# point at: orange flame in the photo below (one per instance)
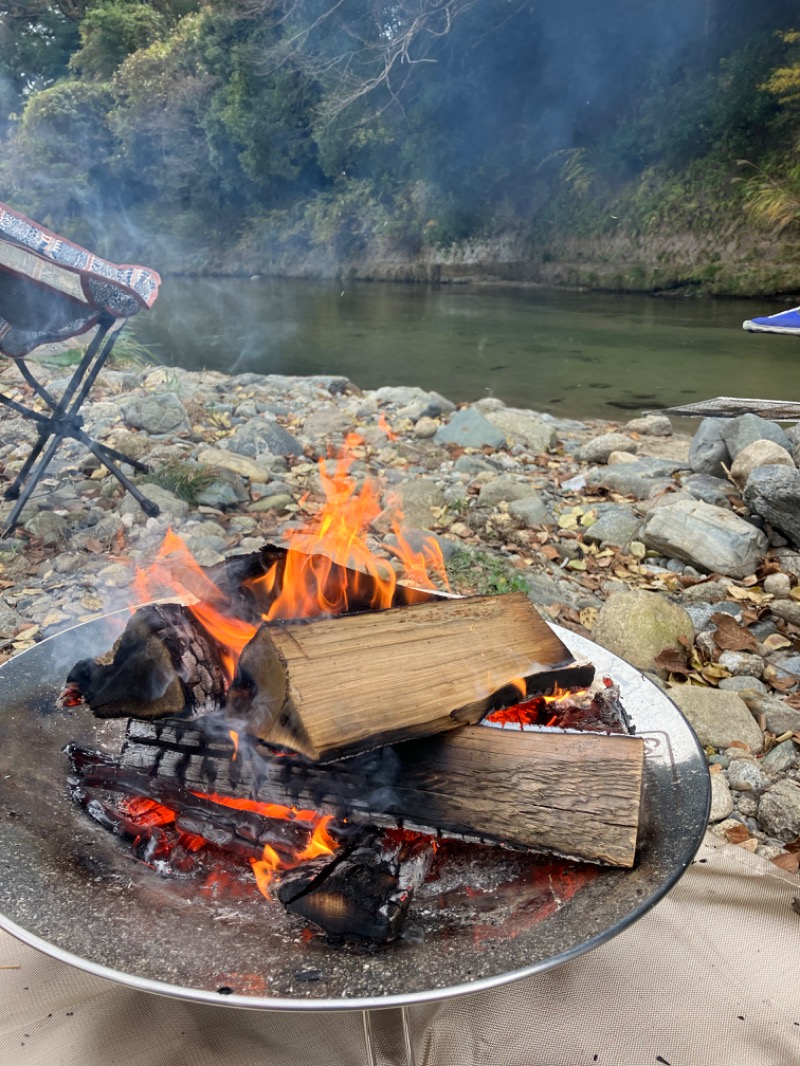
(265, 869)
(176, 571)
(329, 565)
(387, 429)
(235, 741)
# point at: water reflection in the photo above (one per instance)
(577, 355)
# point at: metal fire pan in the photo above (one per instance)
(73, 891)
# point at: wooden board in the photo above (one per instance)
(335, 686)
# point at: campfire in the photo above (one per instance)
(305, 716)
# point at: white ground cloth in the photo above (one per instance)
(710, 976)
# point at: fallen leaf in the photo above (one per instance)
(776, 641)
(730, 636)
(674, 660)
(737, 833)
(789, 862)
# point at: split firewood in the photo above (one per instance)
(364, 892)
(335, 686)
(575, 795)
(164, 664)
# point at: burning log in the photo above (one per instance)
(335, 686)
(162, 665)
(577, 795)
(364, 891)
(240, 832)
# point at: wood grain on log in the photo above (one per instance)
(335, 686)
(576, 795)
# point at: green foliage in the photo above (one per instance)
(483, 574)
(185, 480)
(110, 31)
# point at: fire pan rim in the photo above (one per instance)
(673, 750)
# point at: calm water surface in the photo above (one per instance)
(576, 355)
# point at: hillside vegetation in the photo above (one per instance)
(622, 144)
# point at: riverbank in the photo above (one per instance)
(627, 533)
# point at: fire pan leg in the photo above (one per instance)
(369, 1036)
(369, 1040)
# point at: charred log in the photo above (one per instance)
(576, 795)
(363, 893)
(163, 665)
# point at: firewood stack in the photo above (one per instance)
(370, 719)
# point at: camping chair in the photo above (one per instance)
(51, 290)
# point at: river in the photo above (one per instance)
(572, 354)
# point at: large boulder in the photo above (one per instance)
(638, 626)
(739, 432)
(709, 538)
(774, 493)
(650, 426)
(718, 717)
(759, 453)
(708, 452)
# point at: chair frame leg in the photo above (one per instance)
(65, 422)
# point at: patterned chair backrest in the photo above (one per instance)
(52, 289)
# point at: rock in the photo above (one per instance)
(743, 683)
(224, 491)
(717, 717)
(783, 667)
(10, 621)
(261, 436)
(530, 511)
(616, 458)
(759, 453)
(425, 428)
(788, 610)
(745, 776)
(432, 403)
(714, 490)
(739, 432)
(707, 537)
(417, 500)
(52, 529)
(160, 414)
(522, 427)
(222, 459)
(721, 798)
(779, 810)
(278, 503)
(782, 757)
(779, 718)
(504, 488)
(650, 426)
(778, 585)
(169, 504)
(469, 429)
(617, 525)
(742, 663)
(774, 493)
(637, 626)
(473, 464)
(708, 452)
(598, 449)
(628, 479)
(489, 403)
(323, 424)
(706, 592)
